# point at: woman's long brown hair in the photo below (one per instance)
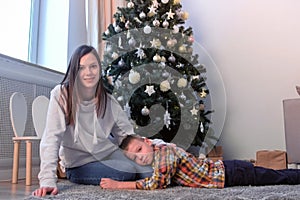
(68, 82)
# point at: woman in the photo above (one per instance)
(82, 116)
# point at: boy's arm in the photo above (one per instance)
(108, 183)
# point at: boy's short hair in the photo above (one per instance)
(126, 141)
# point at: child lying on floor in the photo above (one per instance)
(174, 166)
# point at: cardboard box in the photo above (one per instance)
(275, 159)
(216, 153)
(215, 158)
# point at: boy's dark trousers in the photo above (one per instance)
(243, 173)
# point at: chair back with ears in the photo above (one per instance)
(18, 113)
(39, 114)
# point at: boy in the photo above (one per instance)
(174, 166)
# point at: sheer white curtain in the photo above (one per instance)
(99, 14)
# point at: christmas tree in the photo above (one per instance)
(150, 67)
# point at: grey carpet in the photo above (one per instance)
(70, 191)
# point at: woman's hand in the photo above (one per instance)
(43, 191)
(108, 183)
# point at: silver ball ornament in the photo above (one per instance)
(172, 58)
(118, 29)
(108, 48)
(165, 24)
(165, 74)
(145, 111)
(121, 63)
(132, 42)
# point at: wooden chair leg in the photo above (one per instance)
(15, 171)
(28, 162)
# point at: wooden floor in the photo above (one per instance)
(10, 191)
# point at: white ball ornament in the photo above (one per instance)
(175, 29)
(142, 15)
(118, 29)
(156, 58)
(127, 24)
(164, 1)
(156, 23)
(134, 77)
(130, 4)
(114, 55)
(165, 86)
(120, 98)
(181, 83)
(147, 29)
(171, 42)
(182, 49)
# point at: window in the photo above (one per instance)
(15, 26)
(37, 31)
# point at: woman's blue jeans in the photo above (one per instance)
(116, 167)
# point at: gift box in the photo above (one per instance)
(291, 112)
(275, 159)
(216, 153)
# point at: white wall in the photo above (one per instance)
(256, 46)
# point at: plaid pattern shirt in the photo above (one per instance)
(173, 165)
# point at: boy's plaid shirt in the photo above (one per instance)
(174, 166)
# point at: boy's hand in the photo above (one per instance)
(107, 183)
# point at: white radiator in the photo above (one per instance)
(32, 81)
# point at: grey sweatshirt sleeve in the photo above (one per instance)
(51, 139)
(122, 125)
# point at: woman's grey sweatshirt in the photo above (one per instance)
(86, 141)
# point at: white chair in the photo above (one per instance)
(18, 117)
(39, 114)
